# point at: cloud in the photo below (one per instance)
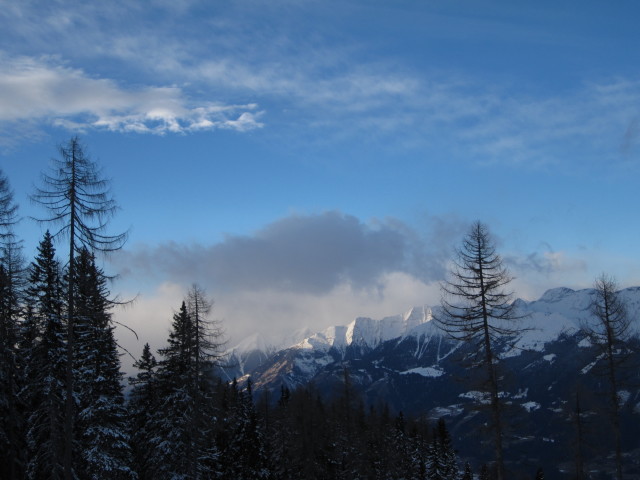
(300, 271)
(323, 87)
(325, 269)
(149, 316)
(545, 261)
(45, 89)
(272, 312)
(306, 254)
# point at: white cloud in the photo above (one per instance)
(272, 312)
(150, 317)
(325, 90)
(44, 89)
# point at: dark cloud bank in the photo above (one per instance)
(313, 254)
(305, 254)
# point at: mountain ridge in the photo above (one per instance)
(408, 364)
(554, 304)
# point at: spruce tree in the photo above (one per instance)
(468, 474)
(183, 443)
(245, 454)
(11, 285)
(44, 344)
(143, 400)
(442, 457)
(102, 419)
(485, 474)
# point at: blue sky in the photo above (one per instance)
(309, 161)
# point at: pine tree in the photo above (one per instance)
(280, 436)
(44, 344)
(102, 418)
(244, 454)
(11, 422)
(8, 212)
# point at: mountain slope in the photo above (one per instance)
(409, 364)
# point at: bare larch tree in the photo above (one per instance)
(79, 201)
(609, 330)
(478, 310)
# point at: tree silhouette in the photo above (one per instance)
(79, 201)
(479, 311)
(609, 331)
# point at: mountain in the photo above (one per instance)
(255, 350)
(407, 363)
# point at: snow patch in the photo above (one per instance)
(425, 372)
(531, 406)
(623, 396)
(588, 368)
(451, 411)
(585, 343)
(480, 397)
(521, 394)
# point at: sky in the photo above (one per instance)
(306, 162)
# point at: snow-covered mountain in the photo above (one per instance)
(366, 333)
(255, 350)
(408, 363)
(296, 359)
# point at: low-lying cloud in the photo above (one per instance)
(319, 270)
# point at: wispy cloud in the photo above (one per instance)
(44, 89)
(323, 85)
(547, 262)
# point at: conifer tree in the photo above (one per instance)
(102, 418)
(610, 332)
(143, 400)
(44, 344)
(442, 457)
(479, 311)
(78, 200)
(245, 456)
(468, 474)
(183, 442)
(11, 284)
(8, 213)
(484, 473)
